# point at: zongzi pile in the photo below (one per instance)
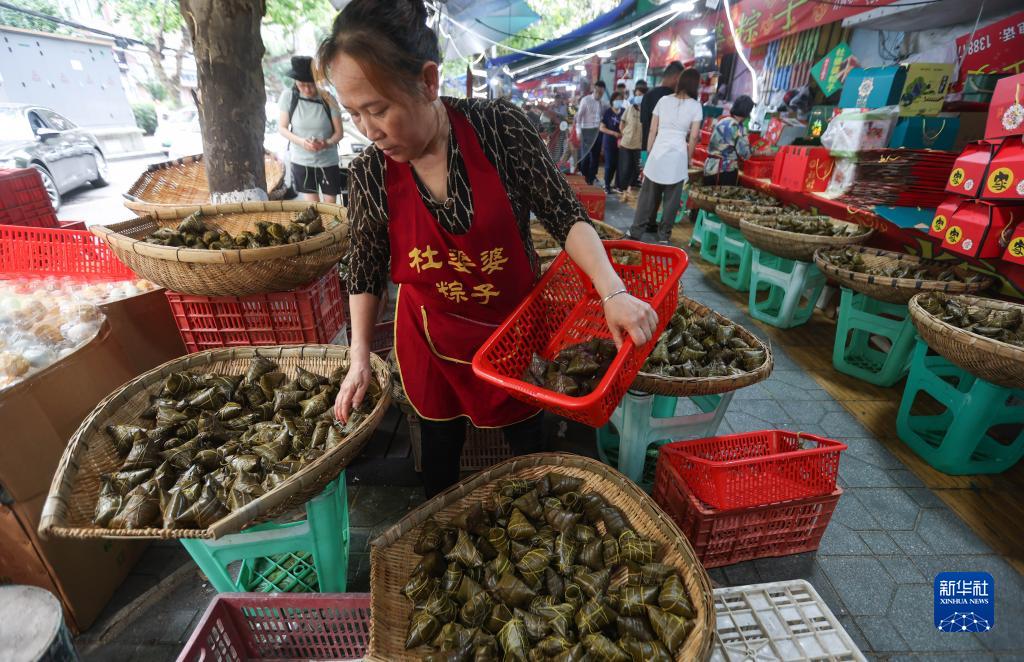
(192, 232)
(852, 259)
(702, 346)
(575, 371)
(209, 444)
(531, 578)
(1005, 325)
(821, 226)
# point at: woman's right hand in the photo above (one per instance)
(309, 145)
(353, 389)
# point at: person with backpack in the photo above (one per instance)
(311, 121)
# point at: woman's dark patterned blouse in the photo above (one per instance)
(510, 143)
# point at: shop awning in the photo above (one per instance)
(602, 22)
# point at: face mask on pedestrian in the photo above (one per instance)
(617, 104)
(638, 99)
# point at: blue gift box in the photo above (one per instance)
(873, 88)
(925, 133)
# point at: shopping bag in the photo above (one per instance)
(925, 133)
(973, 227)
(925, 89)
(1005, 178)
(1006, 112)
(855, 131)
(873, 88)
(819, 118)
(971, 167)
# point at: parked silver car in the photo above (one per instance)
(65, 156)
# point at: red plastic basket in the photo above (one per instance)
(37, 252)
(383, 337)
(281, 626)
(23, 200)
(759, 167)
(756, 468)
(564, 309)
(311, 314)
(724, 537)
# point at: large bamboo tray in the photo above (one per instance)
(985, 358)
(235, 272)
(392, 558)
(71, 504)
(896, 290)
(183, 182)
(796, 245)
(689, 386)
(732, 213)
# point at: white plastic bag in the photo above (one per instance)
(856, 130)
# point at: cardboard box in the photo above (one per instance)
(1005, 178)
(83, 574)
(925, 133)
(973, 227)
(1015, 246)
(1006, 112)
(925, 89)
(873, 88)
(968, 175)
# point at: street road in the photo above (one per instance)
(105, 205)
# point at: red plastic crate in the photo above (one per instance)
(23, 200)
(759, 167)
(724, 537)
(306, 315)
(756, 468)
(564, 309)
(593, 199)
(281, 626)
(72, 225)
(383, 338)
(37, 252)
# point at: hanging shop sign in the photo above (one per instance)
(624, 66)
(994, 49)
(831, 71)
(676, 48)
(760, 21)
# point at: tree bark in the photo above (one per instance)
(228, 49)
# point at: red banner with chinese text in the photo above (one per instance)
(996, 48)
(761, 21)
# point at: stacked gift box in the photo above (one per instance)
(981, 216)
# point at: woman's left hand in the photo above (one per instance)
(626, 314)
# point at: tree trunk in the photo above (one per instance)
(228, 50)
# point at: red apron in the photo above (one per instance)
(454, 290)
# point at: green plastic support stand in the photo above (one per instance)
(860, 318)
(793, 289)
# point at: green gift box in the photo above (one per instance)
(819, 119)
(925, 133)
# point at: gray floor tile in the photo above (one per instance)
(879, 542)
(912, 616)
(925, 497)
(911, 543)
(903, 569)
(892, 508)
(840, 540)
(859, 640)
(851, 512)
(947, 534)
(857, 473)
(881, 635)
(740, 574)
(867, 449)
(377, 504)
(862, 583)
(906, 478)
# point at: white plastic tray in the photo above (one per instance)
(778, 621)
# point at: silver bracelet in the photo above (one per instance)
(613, 294)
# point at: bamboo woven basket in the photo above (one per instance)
(235, 272)
(70, 506)
(183, 182)
(392, 558)
(548, 248)
(896, 290)
(796, 245)
(985, 358)
(688, 386)
(732, 213)
(704, 197)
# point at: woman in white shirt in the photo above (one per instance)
(675, 128)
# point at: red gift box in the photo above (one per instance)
(780, 163)
(968, 175)
(973, 227)
(1015, 246)
(806, 169)
(592, 198)
(1006, 112)
(1005, 177)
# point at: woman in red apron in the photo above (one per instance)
(441, 205)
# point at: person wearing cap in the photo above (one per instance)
(311, 121)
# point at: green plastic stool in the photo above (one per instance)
(736, 253)
(860, 318)
(957, 441)
(793, 289)
(643, 420)
(298, 557)
(697, 238)
(710, 247)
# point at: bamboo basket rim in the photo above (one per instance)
(53, 521)
(703, 197)
(332, 234)
(771, 239)
(685, 386)
(942, 336)
(732, 216)
(695, 578)
(141, 205)
(858, 281)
